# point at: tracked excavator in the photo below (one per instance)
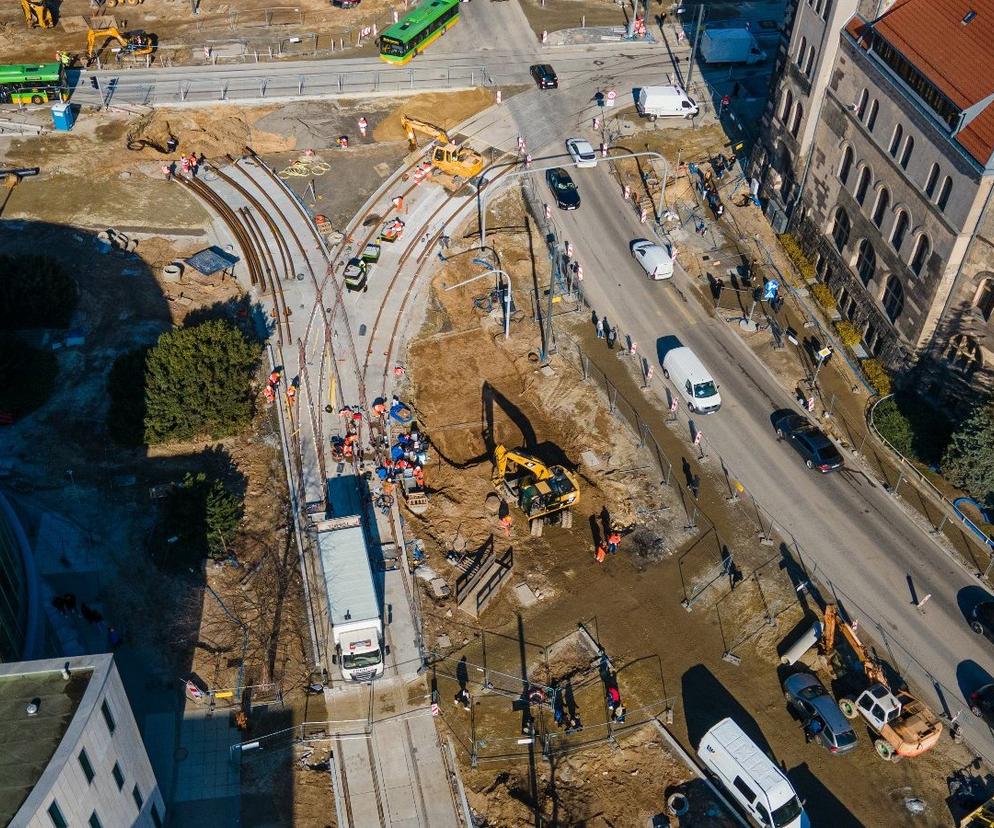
(546, 494)
(37, 13)
(136, 43)
(906, 725)
(446, 156)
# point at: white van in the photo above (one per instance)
(692, 380)
(751, 777)
(664, 101)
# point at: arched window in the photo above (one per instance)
(895, 140)
(983, 300)
(788, 104)
(846, 165)
(922, 248)
(864, 97)
(866, 261)
(871, 119)
(809, 65)
(880, 208)
(909, 147)
(893, 298)
(964, 355)
(826, 10)
(800, 52)
(840, 228)
(900, 229)
(795, 125)
(862, 184)
(933, 177)
(944, 191)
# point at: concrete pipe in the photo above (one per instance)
(802, 645)
(172, 273)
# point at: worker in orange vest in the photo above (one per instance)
(379, 408)
(274, 378)
(601, 552)
(419, 476)
(613, 541)
(505, 524)
(291, 393)
(268, 392)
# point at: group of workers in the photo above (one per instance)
(349, 447)
(608, 546)
(272, 388)
(406, 461)
(189, 164)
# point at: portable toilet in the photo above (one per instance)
(62, 116)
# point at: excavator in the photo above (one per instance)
(544, 493)
(453, 160)
(136, 43)
(37, 13)
(906, 725)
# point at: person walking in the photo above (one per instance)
(695, 486)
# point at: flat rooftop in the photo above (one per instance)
(30, 741)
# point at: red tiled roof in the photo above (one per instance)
(977, 137)
(957, 58)
(858, 29)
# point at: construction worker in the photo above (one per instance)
(419, 476)
(291, 394)
(380, 408)
(167, 171)
(601, 552)
(269, 393)
(505, 524)
(274, 378)
(613, 541)
(185, 163)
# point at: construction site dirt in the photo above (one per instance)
(667, 656)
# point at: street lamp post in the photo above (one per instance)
(507, 292)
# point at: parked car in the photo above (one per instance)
(563, 188)
(654, 259)
(808, 697)
(982, 703)
(545, 76)
(810, 442)
(982, 619)
(581, 152)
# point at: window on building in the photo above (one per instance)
(156, 819)
(108, 716)
(118, 776)
(871, 119)
(909, 147)
(866, 261)
(933, 177)
(893, 298)
(900, 229)
(136, 795)
(810, 62)
(796, 123)
(984, 298)
(846, 165)
(944, 192)
(788, 105)
(827, 10)
(880, 208)
(55, 814)
(895, 140)
(801, 51)
(94, 821)
(840, 228)
(918, 258)
(84, 763)
(862, 185)
(964, 354)
(864, 97)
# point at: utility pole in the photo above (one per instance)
(697, 37)
(547, 347)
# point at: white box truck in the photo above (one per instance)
(664, 101)
(354, 615)
(730, 46)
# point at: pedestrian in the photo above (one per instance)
(114, 638)
(194, 163)
(167, 172)
(363, 125)
(613, 699)
(601, 552)
(59, 602)
(613, 541)
(695, 486)
(70, 601)
(812, 728)
(612, 337)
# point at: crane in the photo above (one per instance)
(446, 156)
(136, 43)
(37, 13)
(540, 491)
(906, 725)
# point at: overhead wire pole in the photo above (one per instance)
(697, 37)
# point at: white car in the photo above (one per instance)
(654, 259)
(581, 152)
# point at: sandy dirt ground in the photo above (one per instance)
(664, 655)
(552, 15)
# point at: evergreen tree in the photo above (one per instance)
(969, 459)
(223, 513)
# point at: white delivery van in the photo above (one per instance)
(730, 46)
(691, 380)
(664, 101)
(751, 777)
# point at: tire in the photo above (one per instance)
(976, 711)
(780, 434)
(885, 750)
(691, 407)
(848, 708)
(809, 463)
(787, 698)
(977, 627)
(37, 99)
(666, 373)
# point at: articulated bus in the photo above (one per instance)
(33, 83)
(412, 34)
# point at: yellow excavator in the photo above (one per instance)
(136, 43)
(545, 494)
(447, 157)
(37, 13)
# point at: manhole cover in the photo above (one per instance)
(181, 754)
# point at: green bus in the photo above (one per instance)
(412, 34)
(33, 83)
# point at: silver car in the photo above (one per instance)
(810, 700)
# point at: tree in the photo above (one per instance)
(198, 383)
(222, 514)
(969, 461)
(35, 292)
(203, 516)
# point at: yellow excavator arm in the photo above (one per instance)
(135, 43)
(833, 623)
(37, 13)
(538, 490)
(447, 157)
(412, 125)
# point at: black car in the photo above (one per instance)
(563, 188)
(982, 703)
(982, 619)
(545, 76)
(810, 442)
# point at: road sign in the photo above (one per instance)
(770, 290)
(609, 98)
(824, 353)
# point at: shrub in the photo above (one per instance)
(797, 256)
(823, 296)
(35, 292)
(27, 376)
(968, 461)
(203, 516)
(877, 376)
(849, 334)
(895, 426)
(913, 426)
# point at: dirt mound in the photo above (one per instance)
(444, 109)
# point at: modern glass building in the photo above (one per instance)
(21, 616)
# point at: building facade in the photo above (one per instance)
(878, 144)
(73, 755)
(21, 615)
